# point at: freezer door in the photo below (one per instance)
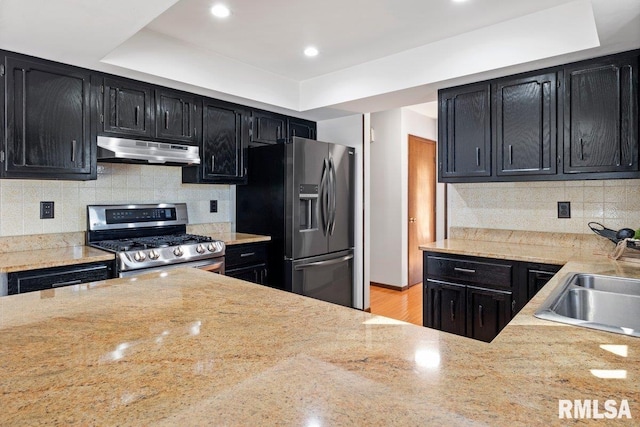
(341, 197)
(327, 278)
(308, 198)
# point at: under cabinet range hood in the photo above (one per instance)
(135, 151)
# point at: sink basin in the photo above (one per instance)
(606, 303)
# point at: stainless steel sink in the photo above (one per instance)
(606, 303)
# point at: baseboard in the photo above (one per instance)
(368, 310)
(393, 287)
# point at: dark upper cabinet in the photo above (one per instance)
(125, 107)
(47, 121)
(223, 150)
(601, 116)
(178, 116)
(267, 128)
(302, 128)
(488, 312)
(464, 126)
(525, 117)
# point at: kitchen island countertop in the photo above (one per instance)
(188, 347)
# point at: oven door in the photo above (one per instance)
(215, 265)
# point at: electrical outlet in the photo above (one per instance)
(564, 209)
(46, 210)
(213, 206)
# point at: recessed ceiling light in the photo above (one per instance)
(220, 11)
(311, 51)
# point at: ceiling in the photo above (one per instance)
(374, 54)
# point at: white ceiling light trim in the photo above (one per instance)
(311, 51)
(556, 31)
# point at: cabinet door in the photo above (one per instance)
(601, 116)
(268, 128)
(47, 134)
(125, 108)
(524, 112)
(487, 313)
(536, 276)
(465, 132)
(224, 130)
(254, 273)
(302, 128)
(447, 307)
(178, 116)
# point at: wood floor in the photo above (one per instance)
(400, 305)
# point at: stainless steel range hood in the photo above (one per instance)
(136, 151)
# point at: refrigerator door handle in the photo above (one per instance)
(332, 196)
(322, 205)
(324, 263)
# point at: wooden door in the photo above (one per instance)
(445, 307)
(268, 128)
(126, 108)
(421, 202)
(178, 117)
(488, 312)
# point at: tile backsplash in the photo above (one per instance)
(116, 183)
(533, 205)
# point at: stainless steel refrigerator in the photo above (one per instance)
(301, 194)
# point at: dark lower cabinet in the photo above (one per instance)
(248, 262)
(447, 307)
(488, 311)
(477, 297)
(536, 276)
(55, 277)
(48, 132)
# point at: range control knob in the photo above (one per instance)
(154, 254)
(200, 249)
(178, 251)
(139, 256)
(211, 247)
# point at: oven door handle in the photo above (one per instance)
(215, 267)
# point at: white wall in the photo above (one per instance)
(116, 183)
(348, 131)
(389, 192)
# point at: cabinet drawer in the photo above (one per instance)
(488, 274)
(248, 254)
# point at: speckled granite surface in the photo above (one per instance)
(55, 250)
(189, 347)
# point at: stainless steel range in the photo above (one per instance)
(151, 237)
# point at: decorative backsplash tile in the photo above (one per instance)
(533, 205)
(116, 183)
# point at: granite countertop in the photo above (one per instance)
(56, 257)
(187, 347)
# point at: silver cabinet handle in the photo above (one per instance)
(464, 270)
(247, 254)
(510, 154)
(324, 263)
(137, 114)
(73, 151)
(581, 149)
(480, 316)
(71, 282)
(452, 308)
(477, 156)
(213, 162)
(166, 119)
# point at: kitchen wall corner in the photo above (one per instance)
(116, 183)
